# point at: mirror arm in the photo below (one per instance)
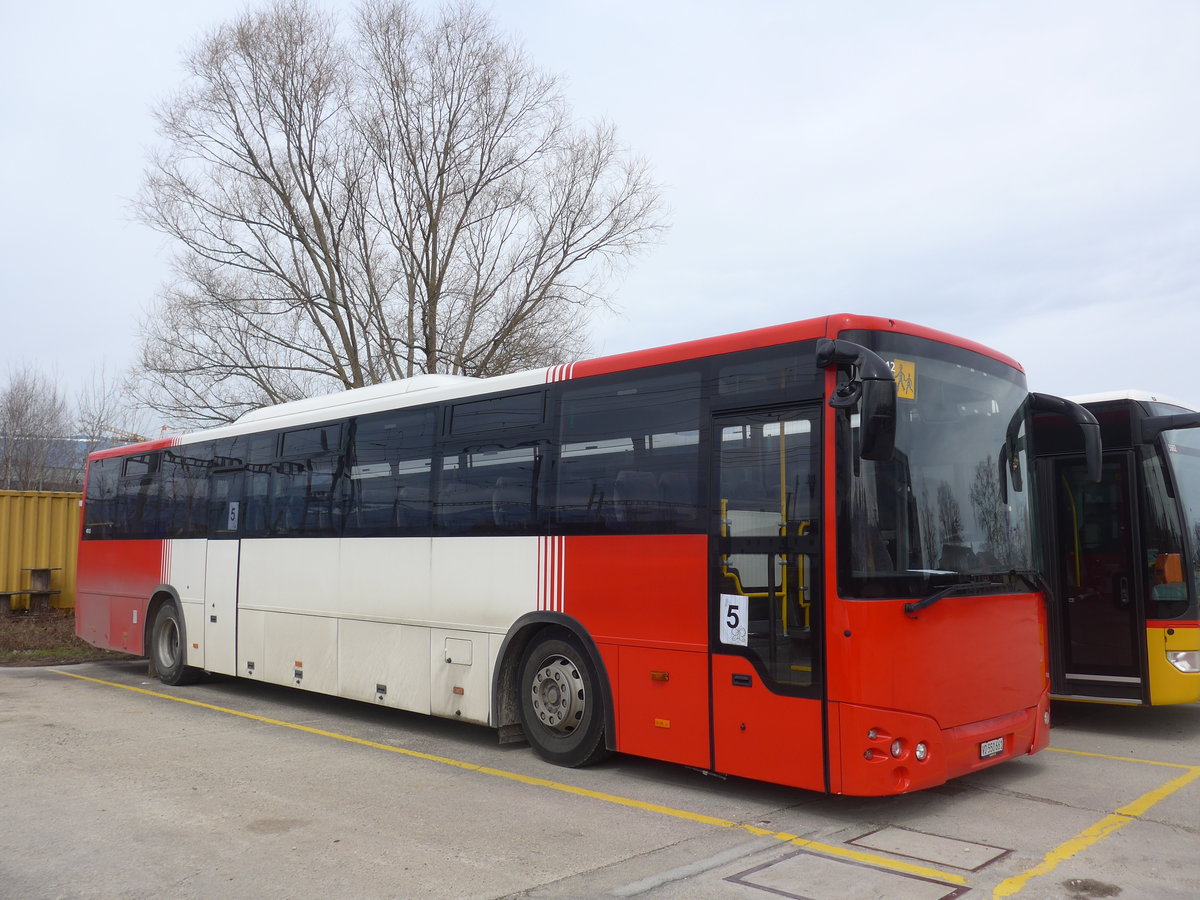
(1085, 420)
(870, 365)
(1150, 428)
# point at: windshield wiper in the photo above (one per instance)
(961, 587)
(1035, 581)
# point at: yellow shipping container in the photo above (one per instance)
(38, 530)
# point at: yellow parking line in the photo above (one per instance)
(1129, 759)
(871, 859)
(1100, 830)
(1150, 798)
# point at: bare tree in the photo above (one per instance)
(105, 415)
(36, 452)
(411, 199)
(44, 442)
(258, 182)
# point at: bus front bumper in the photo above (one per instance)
(888, 752)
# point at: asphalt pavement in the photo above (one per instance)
(116, 786)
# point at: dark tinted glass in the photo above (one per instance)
(772, 374)
(185, 491)
(305, 499)
(145, 464)
(100, 509)
(310, 442)
(140, 510)
(629, 455)
(389, 472)
(513, 411)
(489, 489)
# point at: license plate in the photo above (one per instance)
(994, 747)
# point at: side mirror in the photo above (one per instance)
(874, 392)
(1048, 403)
(877, 413)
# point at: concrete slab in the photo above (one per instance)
(930, 848)
(806, 876)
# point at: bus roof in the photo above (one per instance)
(1129, 394)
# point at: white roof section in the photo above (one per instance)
(1131, 394)
(419, 389)
(389, 390)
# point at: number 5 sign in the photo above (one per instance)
(735, 612)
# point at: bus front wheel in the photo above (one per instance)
(562, 701)
(167, 647)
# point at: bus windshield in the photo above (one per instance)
(1183, 449)
(936, 516)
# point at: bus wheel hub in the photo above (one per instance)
(558, 695)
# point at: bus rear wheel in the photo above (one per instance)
(168, 647)
(562, 701)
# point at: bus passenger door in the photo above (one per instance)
(765, 620)
(221, 573)
(1097, 651)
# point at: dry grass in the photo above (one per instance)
(27, 640)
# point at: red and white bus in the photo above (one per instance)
(759, 554)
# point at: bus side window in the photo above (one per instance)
(139, 498)
(629, 455)
(185, 491)
(489, 489)
(101, 507)
(304, 483)
(389, 469)
(586, 483)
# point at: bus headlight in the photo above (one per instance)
(1184, 660)
(897, 748)
(921, 752)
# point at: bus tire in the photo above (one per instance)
(562, 701)
(168, 646)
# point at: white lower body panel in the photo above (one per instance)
(411, 623)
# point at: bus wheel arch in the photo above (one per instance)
(165, 640)
(564, 638)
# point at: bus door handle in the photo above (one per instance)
(740, 680)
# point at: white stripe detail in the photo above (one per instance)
(561, 372)
(551, 573)
(560, 581)
(541, 573)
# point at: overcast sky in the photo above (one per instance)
(1021, 173)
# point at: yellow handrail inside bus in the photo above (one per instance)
(803, 605)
